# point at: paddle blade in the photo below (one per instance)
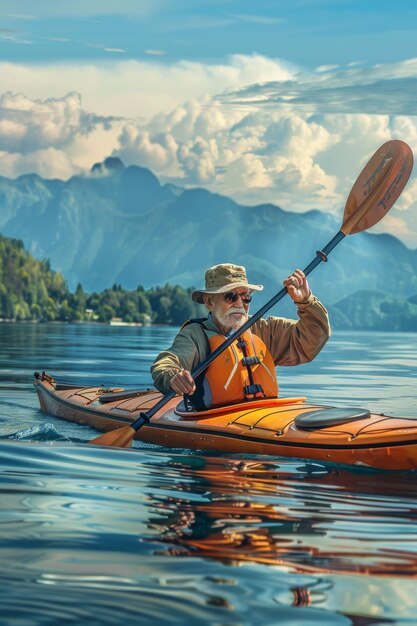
(378, 186)
(119, 438)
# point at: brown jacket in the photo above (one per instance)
(290, 342)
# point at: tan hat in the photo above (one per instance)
(223, 278)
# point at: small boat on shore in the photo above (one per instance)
(287, 427)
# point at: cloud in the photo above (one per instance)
(10, 36)
(140, 147)
(21, 16)
(48, 163)
(140, 88)
(27, 125)
(326, 68)
(249, 156)
(117, 50)
(102, 46)
(155, 52)
(58, 39)
(378, 90)
(53, 137)
(30, 124)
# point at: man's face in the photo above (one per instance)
(229, 310)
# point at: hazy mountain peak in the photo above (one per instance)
(110, 164)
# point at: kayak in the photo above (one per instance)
(286, 427)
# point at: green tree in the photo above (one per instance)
(78, 303)
(105, 313)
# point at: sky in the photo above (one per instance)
(266, 102)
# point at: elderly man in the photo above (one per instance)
(246, 370)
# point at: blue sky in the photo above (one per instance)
(307, 32)
(270, 101)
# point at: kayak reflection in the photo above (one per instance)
(316, 520)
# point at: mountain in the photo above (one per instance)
(121, 225)
(373, 310)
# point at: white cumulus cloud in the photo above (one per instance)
(140, 89)
(48, 163)
(249, 156)
(55, 137)
(27, 124)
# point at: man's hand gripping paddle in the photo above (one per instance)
(376, 189)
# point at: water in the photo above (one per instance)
(155, 536)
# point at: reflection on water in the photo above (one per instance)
(108, 535)
(268, 515)
(155, 536)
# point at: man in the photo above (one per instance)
(247, 369)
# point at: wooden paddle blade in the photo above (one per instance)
(119, 438)
(378, 186)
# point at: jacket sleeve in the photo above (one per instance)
(292, 342)
(188, 349)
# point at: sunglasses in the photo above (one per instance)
(232, 296)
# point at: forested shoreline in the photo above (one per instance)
(31, 291)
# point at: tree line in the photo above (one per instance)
(31, 290)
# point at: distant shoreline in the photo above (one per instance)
(147, 325)
(85, 323)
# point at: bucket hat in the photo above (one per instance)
(223, 278)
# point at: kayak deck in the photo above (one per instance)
(289, 427)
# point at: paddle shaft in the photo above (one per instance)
(321, 256)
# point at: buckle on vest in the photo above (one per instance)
(251, 360)
(252, 390)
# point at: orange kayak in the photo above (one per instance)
(286, 427)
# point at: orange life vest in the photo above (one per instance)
(244, 371)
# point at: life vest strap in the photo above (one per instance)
(250, 360)
(196, 320)
(252, 390)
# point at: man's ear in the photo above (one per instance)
(208, 301)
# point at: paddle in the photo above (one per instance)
(373, 194)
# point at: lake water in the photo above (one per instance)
(99, 536)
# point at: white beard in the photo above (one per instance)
(231, 320)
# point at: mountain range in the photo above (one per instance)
(120, 225)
